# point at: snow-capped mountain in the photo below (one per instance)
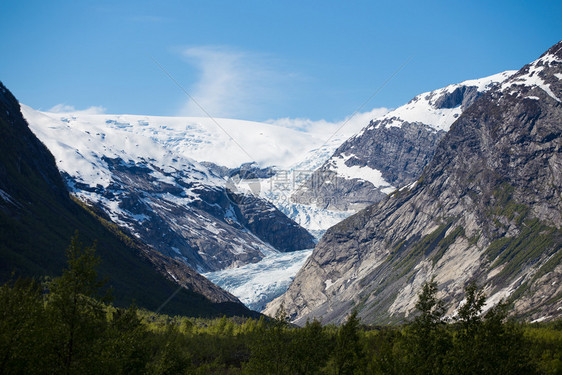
(138, 172)
(38, 219)
(486, 209)
(392, 150)
(409, 139)
(217, 213)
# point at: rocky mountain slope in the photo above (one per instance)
(391, 151)
(38, 218)
(133, 169)
(488, 208)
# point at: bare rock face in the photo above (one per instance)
(183, 275)
(398, 153)
(487, 208)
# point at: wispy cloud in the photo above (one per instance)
(232, 83)
(65, 108)
(346, 127)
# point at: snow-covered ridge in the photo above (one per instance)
(224, 142)
(82, 143)
(530, 76)
(437, 109)
(427, 109)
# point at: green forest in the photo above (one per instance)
(67, 325)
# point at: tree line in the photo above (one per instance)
(66, 325)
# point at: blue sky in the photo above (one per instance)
(260, 60)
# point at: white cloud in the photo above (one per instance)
(65, 108)
(232, 83)
(346, 127)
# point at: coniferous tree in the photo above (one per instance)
(270, 346)
(125, 348)
(348, 355)
(310, 348)
(75, 310)
(504, 349)
(428, 338)
(23, 343)
(466, 357)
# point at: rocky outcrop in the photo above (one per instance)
(488, 208)
(399, 154)
(269, 224)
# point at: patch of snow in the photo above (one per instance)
(173, 276)
(532, 77)
(230, 214)
(213, 229)
(139, 217)
(388, 190)
(237, 249)
(373, 176)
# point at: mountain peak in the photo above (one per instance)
(543, 73)
(555, 50)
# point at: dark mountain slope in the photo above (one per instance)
(38, 218)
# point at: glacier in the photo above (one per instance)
(256, 284)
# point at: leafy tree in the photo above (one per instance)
(386, 351)
(125, 348)
(168, 353)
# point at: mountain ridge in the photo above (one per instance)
(143, 182)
